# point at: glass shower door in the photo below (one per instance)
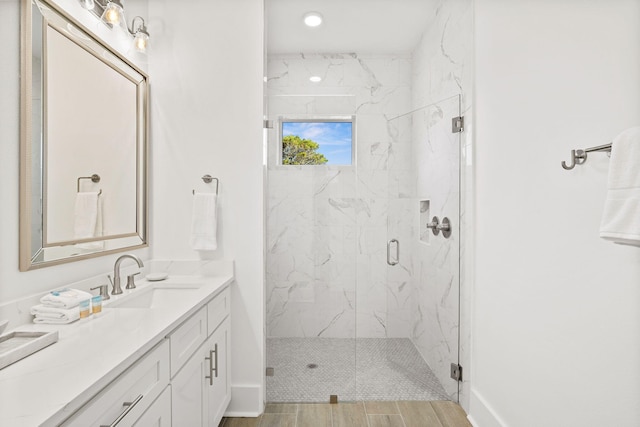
(409, 277)
(311, 253)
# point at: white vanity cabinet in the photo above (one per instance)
(124, 401)
(200, 389)
(183, 381)
(145, 355)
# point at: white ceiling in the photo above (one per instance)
(362, 26)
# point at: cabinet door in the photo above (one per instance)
(201, 390)
(218, 386)
(189, 391)
(159, 413)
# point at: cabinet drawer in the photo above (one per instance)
(218, 309)
(187, 338)
(159, 413)
(132, 392)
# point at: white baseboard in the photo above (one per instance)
(246, 401)
(481, 414)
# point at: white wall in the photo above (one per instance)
(206, 63)
(556, 339)
(14, 284)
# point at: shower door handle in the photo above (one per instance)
(397, 259)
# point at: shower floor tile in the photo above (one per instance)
(363, 369)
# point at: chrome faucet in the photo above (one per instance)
(117, 290)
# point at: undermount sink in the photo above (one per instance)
(152, 297)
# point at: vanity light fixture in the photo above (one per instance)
(111, 12)
(140, 35)
(312, 19)
(315, 79)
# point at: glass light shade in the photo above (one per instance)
(113, 13)
(140, 41)
(88, 4)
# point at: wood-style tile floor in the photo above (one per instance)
(361, 414)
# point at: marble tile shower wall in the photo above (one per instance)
(327, 226)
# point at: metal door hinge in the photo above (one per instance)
(270, 372)
(456, 372)
(457, 124)
(267, 124)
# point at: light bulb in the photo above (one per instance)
(315, 79)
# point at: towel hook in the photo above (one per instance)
(208, 179)
(578, 157)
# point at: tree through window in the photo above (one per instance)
(317, 142)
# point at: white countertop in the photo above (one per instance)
(48, 386)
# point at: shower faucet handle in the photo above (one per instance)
(445, 227)
(434, 225)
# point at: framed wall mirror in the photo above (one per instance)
(83, 171)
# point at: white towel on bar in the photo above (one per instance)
(54, 315)
(65, 298)
(204, 222)
(621, 216)
(85, 215)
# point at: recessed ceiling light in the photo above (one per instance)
(315, 79)
(312, 19)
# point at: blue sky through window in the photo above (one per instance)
(334, 138)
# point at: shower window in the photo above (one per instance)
(317, 141)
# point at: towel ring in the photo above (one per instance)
(94, 178)
(208, 179)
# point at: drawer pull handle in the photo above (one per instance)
(215, 350)
(128, 407)
(213, 360)
(210, 359)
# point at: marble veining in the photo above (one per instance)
(326, 225)
(441, 68)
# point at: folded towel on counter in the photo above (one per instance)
(204, 222)
(65, 298)
(621, 216)
(58, 315)
(46, 321)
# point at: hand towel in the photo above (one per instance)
(57, 315)
(204, 222)
(97, 230)
(65, 298)
(85, 215)
(621, 217)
